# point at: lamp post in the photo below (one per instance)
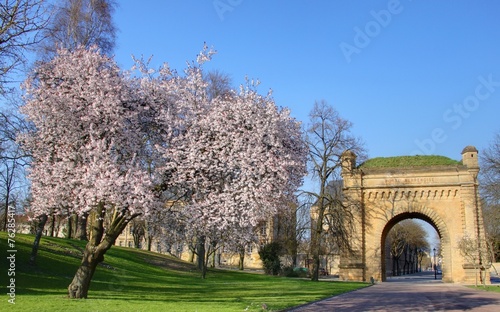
(435, 267)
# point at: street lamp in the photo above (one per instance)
(435, 267)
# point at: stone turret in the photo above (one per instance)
(469, 157)
(348, 161)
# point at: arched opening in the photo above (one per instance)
(417, 259)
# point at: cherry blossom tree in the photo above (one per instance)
(237, 158)
(85, 148)
(113, 148)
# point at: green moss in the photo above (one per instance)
(409, 161)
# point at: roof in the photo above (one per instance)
(469, 149)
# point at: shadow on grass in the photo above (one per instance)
(134, 275)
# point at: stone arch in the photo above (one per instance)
(428, 216)
(436, 189)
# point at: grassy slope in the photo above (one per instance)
(408, 161)
(134, 280)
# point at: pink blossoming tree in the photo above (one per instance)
(113, 148)
(237, 159)
(85, 148)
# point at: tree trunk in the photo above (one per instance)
(81, 231)
(79, 287)
(316, 240)
(6, 215)
(404, 265)
(398, 267)
(95, 250)
(69, 233)
(393, 266)
(150, 242)
(34, 251)
(200, 251)
(294, 259)
(315, 271)
(52, 225)
(242, 259)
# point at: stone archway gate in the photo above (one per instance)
(445, 195)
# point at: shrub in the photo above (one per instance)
(288, 271)
(270, 256)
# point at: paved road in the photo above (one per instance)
(415, 293)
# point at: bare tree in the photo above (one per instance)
(219, 84)
(80, 23)
(12, 162)
(490, 171)
(285, 231)
(417, 240)
(137, 230)
(470, 250)
(328, 136)
(397, 243)
(409, 239)
(490, 192)
(20, 28)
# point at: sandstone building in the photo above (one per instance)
(440, 191)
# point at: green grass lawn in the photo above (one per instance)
(135, 280)
(494, 288)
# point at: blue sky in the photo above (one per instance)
(414, 77)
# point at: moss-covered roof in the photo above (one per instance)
(408, 161)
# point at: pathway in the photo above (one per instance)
(419, 292)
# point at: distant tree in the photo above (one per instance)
(20, 29)
(328, 136)
(421, 255)
(84, 146)
(285, 227)
(12, 163)
(397, 243)
(406, 239)
(490, 171)
(491, 216)
(490, 192)
(79, 23)
(416, 238)
(137, 229)
(218, 84)
(302, 228)
(472, 252)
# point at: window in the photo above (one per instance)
(263, 229)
